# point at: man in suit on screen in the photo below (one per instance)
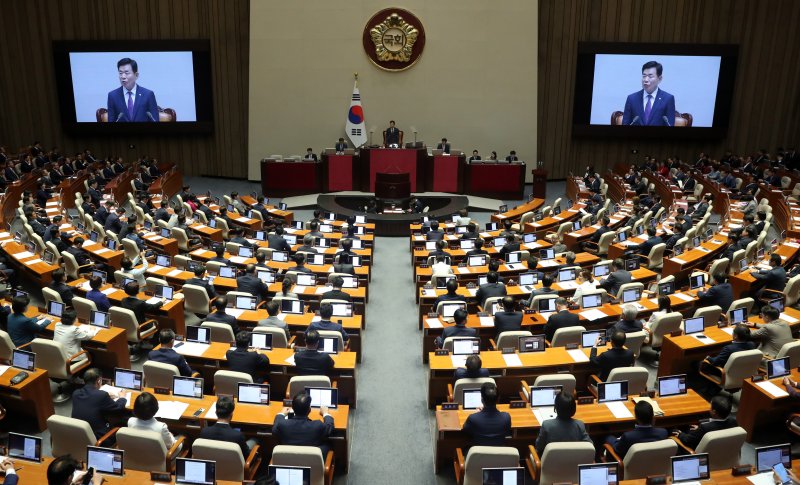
(650, 106)
(131, 102)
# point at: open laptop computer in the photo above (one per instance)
(290, 475)
(128, 379)
(187, 386)
(55, 308)
(778, 368)
(191, 471)
(466, 346)
(591, 301)
(23, 359)
(533, 343)
(504, 476)
(696, 282)
(248, 393)
(291, 306)
(694, 326)
(738, 315)
(632, 295)
(24, 447)
(768, 456)
(449, 308)
(612, 391)
(672, 385)
(598, 474)
(108, 461)
(690, 468)
(547, 305)
(198, 334)
(601, 269)
(528, 280)
(328, 345)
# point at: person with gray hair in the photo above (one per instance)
(629, 323)
(308, 244)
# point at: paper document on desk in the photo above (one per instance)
(532, 245)
(512, 360)
(89, 329)
(678, 260)
(772, 389)
(316, 318)
(237, 259)
(619, 410)
(174, 272)
(237, 312)
(24, 254)
(791, 244)
(428, 292)
(593, 314)
(171, 409)
(786, 318)
(212, 412)
(118, 391)
(704, 339)
(656, 408)
(486, 321)
(543, 414)
(109, 291)
(4, 368)
(433, 323)
(458, 360)
(290, 360)
(548, 263)
(33, 261)
(472, 291)
(578, 355)
(154, 267)
(102, 251)
(515, 266)
(728, 330)
(153, 300)
(301, 289)
(763, 478)
(568, 285)
(192, 348)
(683, 296)
(463, 269)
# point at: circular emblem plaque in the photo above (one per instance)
(394, 39)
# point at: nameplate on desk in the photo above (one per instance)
(287, 403)
(450, 406)
(656, 480)
(423, 266)
(161, 390)
(517, 404)
(722, 325)
(740, 470)
(471, 286)
(160, 477)
(433, 315)
(757, 378)
(441, 352)
(529, 311)
(508, 350)
(676, 333)
(572, 346)
(585, 400)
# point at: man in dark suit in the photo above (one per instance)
(741, 341)
(392, 135)
(219, 315)
(249, 283)
(451, 295)
(643, 432)
(102, 213)
(512, 156)
(325, 323)
(562, 318)
(490, 289)
(434, 234)
(336, 293)
(277, 242)
(650, 106)
(139, 307)
(488, 427)
(443, 146)
(616, 356)
(604, 228)
(311, 362)
(221, 430)
(478, 249)
(475, 156)
(92, 405)
(113, 221)
(507, 320)
(546, 289)
(295, 428)
(161, 213)
(652, 240)
(472, 369)
(310, 155)
(340, 146)
(198, 280)
(720, 293)
(772, 279)
(219, 251)
(131, 102)
(512, 244)
(240, 359)
(60, 287)
(702, 207)
(76, 250)
(720, 419)
(594, 184)
(459, 330)
(441, 245)
(618, 277)
(167, 355)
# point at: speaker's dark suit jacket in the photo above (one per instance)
(663, 105)
(145, 103)
(301, 431)
(252, 363)
(312, 363)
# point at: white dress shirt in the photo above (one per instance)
(153, 425)
(70, 336)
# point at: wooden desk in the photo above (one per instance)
(30, 397)
(108, 348)
(29, 264)
(516, 212)
(283, 179)
(501, 180)
(552, 223)
(758, 407)
(742, 282)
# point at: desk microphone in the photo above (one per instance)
(118, 117)
(153, 119)
(635, 119)
(666, 120)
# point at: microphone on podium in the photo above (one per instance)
(153, 119)
(635, 119)
(666, 120)
(118, 117)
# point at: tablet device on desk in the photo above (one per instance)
(290, 475)
(547, 254)
(528, 279)
(187, 386)
(576, 225)
(690, 468)
(316, 259)
(166, 233)
(513, 257)
(622, 236)
(777, 304)
(55, 308)
(260, 235)
(461, 230)
(253, 393)
(639, 230)
(342, 309)
(565, 275)
(99, 319)
(49, 257)
(466, 346)
(589, 337)
(491, 226)
(441, 281)
(268, 277)
(355, 261)
(328, 345)
(292, 306)
(598, 474)
(290, 238)
(600, 270)
(466, 244)
(632, 264)
(357, 244)
(306, 279)
(742, 264)
(541, 396)
(449, 308)
(694, 325)
(547, 305)
(696, 282)
(128, 379)
(499, 242)
(280, 256)
(189, 471)
(93, 236)
(24, 447)
(612, 391)
(529, 237)
(769, 456)
(349, 282)
(778, 368)
(472, 399)
(666, 289)
(477, 260)
(739, 316)
(591, 301)
(323, 396)
(632, 295)
(201, 335)
(482, 280)
(533, 343)
(431, 245)
(245, 252)
(22, 359)
(165, 292)
(227, 272)
(325, 228)
(672, 385)
(163, 260)
(105, 460)
(260, 340)
(246, 302)
(557, 209)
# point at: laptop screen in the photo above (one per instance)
(260, 235)
(601, 270)
(322, 242)
(738, 316)
(268, 277)
(449, 308)
(472, 398)
(672, 385)
(358, 244)
(591, 301)
(612, 391)
(546, 254)
(227, 272)
(598, 474)
(696, 281)
(565, 275)
(22, 359)
(466, 244)
(590, 337)
(534, 343)
(246, 302)
(253, 393)
(499, 242)
(514, 257)
(693, 325)
(328, 345)
(280, 256)
(165, 292)
(306, 279)
(491, 226)
(290, 475)
(769, 456)
(105, 460)
(292, 306)
(316, 259)
(260, 340)
(632, 264)
(166, 233)
(477, 260)
(55, 308)
(128, 379)
(349, 282)
(631, 295)
(482, 280)
(198, 334)
(461, 229)
(544, 395)
(576, 226)
(528, 279)
(323, 396)
(101, 274)
(24, 447)
(342, 309)
(189, 471)
(777, 304)
(187, 386)
(778, 368)
(622, 236)
(163, 260)
(466, 346)
(547, 305)
(291, 239)
(666, 289)
(245, 252)
(690, 468)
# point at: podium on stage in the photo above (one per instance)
(392, 186)
(445, 171)
(411, 161)
(338, 170)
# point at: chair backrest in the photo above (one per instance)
(278, 336)
(606, 240)
(232, 247)
(750, 251)
(710, 314)
(180, 261)
(634, 341)
(629, 286)
(664, 325)
(220, 332)
(719, 266)
(125, 319)
(560, 461)
(227, 381)
(130, 248)
(792, 291)
(69, 436)
(526, 217)
(151, 283)
(563, 229)
(333, 334)
(230, 462)
(83, 307)
(738, 255)
(6, 346)
(144, 450)
(746, 303)
(157, 374)
(299, 383)
(50, 355)
(740, 366)
(557, 202)
(195, 299)
(50, 294)
(538, 298)
(636, 377)
(567, 335)
(656, 256)
(491, 301)
(308, 456)
(566, 381)
(468, 383)
(180, 236)
(231, 296)
(480, 457)
(791, 350)
(511, 339)
(723, 447)
(644, 459)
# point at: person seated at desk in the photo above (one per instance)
(299, 264)
(22, 329)
(586, 285)
(616, 356)
(69, 335)
(219, 316)
(628, 323)
(286, 285)
(618, 277)
(720, 419)
(241, 359)
(476, 157)
(199, 280)
(63, 289)
(546, 289)
(99, 298)
(162, 213)
(561, 318)
(222, 430)
(490, 289)
(345, 253)
(236, 235)
(392, 135)
(261, 261)
(325, 323)
(114, 220)
(563, 428)
(138, 274)
(167, 355)
(308, 245)
(472, 232)
(741, 341)
(441, 245)
(593, 185)
(93, 405)
(64, 470)
(645, 247)
(720, 293)
(102, 213)
(472, 369)
(451, 295)
(145, 407)
(273, 308)
(773, 334)
(313, 230)
(643, 431)
(488, 427)
(762, 221)
(507, 320)
(480, 243)
(512, 244)
(277, 242)
(219, 251)
(772, 279)
(434, 234)
(293, 426)
(340, 146)
(507, 230)
(312, 362)
(512, 156)
(76, 249)
(460, 329)
(139, 307)
(336, 293)
(441, 267)
(444, 146)
(701, 208)
(260, 207)
(249, 283)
